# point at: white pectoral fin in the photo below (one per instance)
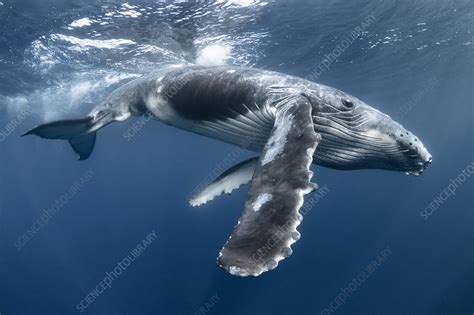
(227, 182)
(267, 228)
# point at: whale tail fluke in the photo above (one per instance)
(81, 134)
(83, 145)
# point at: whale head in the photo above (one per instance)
(357, 136)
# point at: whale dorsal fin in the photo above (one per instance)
(267, 228)
(227, 182)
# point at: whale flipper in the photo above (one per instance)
(267, 227)
(227, 182)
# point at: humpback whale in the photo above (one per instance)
(288, 121)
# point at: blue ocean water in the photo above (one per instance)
(377, 242)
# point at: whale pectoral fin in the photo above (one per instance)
(227, 182)
(267, 227)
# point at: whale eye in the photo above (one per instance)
(347, 103)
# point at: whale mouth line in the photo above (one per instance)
(345, 148)
(423, 165)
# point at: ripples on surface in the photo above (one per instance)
(70, 58)
(79, 61)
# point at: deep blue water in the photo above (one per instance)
(58, 58)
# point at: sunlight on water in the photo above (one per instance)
(75, 62)
(214, 55)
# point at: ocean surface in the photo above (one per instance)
(376, 242)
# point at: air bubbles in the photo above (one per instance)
(214, 55)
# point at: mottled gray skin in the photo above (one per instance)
(203, 99)
(289, 121)
(267, 228)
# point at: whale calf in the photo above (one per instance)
(289, 121)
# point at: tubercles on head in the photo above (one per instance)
(357, 136)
